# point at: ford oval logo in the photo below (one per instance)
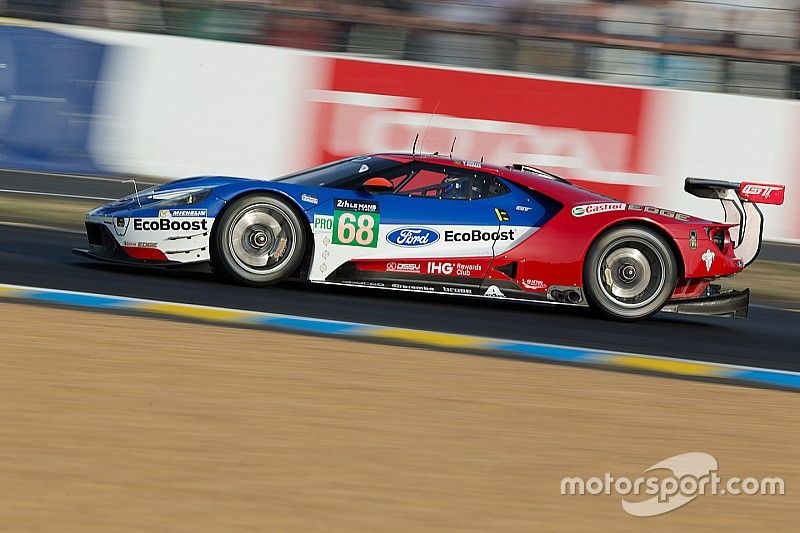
(413, 236)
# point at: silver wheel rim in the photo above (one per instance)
(261, 238)
(631, 273)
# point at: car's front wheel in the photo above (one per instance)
(259, 240)
(629, 273)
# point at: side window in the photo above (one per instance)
(428, 181)
(424, 182)
(451, 184)
(397, 180)
(493, 187)
(396, 174)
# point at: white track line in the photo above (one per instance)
(775, 308)
(40, 226)
(77, 176)
(57, 195)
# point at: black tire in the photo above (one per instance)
(629, 273)
(258, 240)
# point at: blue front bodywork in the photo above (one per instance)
(174, 223)
(519, 204)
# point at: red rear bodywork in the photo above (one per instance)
(554, 255)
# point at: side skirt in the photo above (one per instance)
(419, 288)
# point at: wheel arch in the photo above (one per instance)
(645, 223)
(293, 205)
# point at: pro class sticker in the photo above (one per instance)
(356, 222)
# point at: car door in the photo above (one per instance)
(433, 232)
(521, 212)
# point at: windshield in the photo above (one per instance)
(333, 174)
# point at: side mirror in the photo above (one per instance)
(377, 185)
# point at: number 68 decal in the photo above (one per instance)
(355, 229)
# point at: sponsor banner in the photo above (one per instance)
(534, 284)
(411, 287)
(445, 241)
(167, 225)
(181, 213)
(131, 244)
(658, 211)
(591, 209)
(407, 268)
(407, 244)
(375, 106)
(457, 290)
(466, 267)
(456, 268)
(413, 237)
(475, 235)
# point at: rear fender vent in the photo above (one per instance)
(509, 269)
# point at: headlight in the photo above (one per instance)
(178, 197)
(153, 197)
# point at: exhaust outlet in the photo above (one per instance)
(571, 295)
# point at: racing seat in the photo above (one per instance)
(463, 187)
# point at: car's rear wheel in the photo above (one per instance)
(629, 273)
(259, 240)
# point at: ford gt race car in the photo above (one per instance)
(433, 224)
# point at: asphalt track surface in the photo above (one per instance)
(769, 338)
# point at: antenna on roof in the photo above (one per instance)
(481, 159)
(452, 147)
(135, 188)
(425, 133)
(414, 147)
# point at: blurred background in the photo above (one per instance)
(735, 46)
(111, 421)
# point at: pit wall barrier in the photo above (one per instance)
(87, 100)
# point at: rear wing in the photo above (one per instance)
(739, 201)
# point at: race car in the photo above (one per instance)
(435, 224)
